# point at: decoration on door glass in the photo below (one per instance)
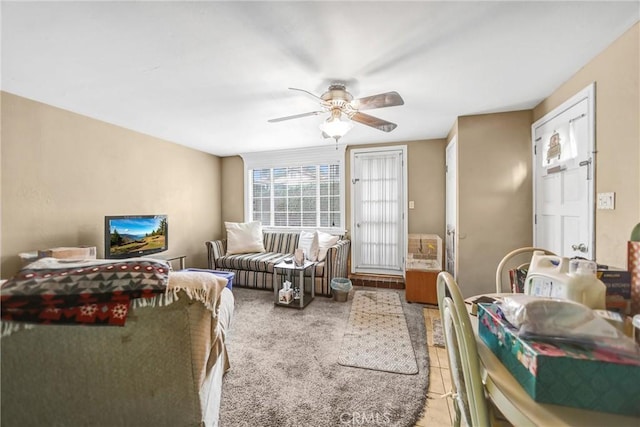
(559, 146)
(555, 149)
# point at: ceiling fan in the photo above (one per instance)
(342, 108)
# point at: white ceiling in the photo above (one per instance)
(209, 75)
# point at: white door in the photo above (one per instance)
(378, 210)
(563, 178)
(451, 203)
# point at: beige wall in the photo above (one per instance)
(425, 186)
(616, 72)
(426, 182)
(62, 173)
(494, 194)
(233, 190)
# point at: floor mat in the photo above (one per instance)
(377, 337)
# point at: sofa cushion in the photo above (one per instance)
(263, 261)
(244, 237)
(325, 241)
(284, 243)
(308, 241)
(319, 270)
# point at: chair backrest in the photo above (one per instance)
(468, 390)
(508, 257)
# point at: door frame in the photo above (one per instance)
(588, 93)
(452, 146)
(404, 202)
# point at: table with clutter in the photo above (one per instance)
(553, 355)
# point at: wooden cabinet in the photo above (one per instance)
(420, 286)
(423, 264)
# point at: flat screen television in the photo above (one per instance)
(135, 235)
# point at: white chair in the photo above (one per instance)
(467, 388)
(508, 257)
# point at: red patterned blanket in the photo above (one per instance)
(88, 292)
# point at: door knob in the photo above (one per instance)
(581, 247)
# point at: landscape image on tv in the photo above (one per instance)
(134, 235)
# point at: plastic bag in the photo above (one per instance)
(341, 284)
(560, 320)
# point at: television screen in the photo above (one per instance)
(135, 235)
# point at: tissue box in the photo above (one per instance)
(285, 296)
(563, 374)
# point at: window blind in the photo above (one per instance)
(296, 189)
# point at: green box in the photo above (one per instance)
(563, 374)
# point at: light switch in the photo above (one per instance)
(606, 200)
(411, 204)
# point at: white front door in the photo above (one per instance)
(563, 178)
(378, 210)
(451, 203)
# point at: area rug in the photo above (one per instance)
(377, 336)
(285, 371)
(437, 336)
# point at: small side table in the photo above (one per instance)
(286, 271)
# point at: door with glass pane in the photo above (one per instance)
(564, 142)
(378, 183)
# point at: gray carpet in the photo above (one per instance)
(284, 369)
(377, 336)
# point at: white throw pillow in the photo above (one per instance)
(244, 237)
(325, 241)
(309, 242)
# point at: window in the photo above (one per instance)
(296, 189)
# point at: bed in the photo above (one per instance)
(163, 367)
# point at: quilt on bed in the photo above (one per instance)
(97, 292)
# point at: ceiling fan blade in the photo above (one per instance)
(295, 116)
(374, 122)
(316, 97)
(388, 99)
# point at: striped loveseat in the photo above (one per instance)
(255, 270)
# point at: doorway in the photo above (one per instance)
(564, 150)
(378, 201)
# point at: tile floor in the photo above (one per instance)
(438, 409)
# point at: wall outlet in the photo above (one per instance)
(606, 200)
(411, 204)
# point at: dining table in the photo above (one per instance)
(517, 406)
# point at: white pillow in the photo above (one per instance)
(325, 241)
(244, 237)
(309, 242)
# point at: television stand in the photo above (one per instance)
(181, 258)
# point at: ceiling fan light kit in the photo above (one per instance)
(343, 109)
(335, 127)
